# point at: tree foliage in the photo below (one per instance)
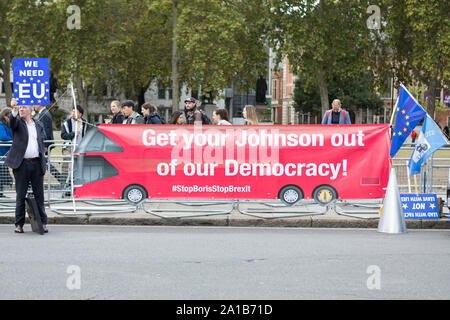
(415, 40)
(320, 39)
(355, 93)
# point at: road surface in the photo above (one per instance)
(142, 262)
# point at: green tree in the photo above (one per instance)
(221, 42)
(415, 40)
(5, 54)
(120, 43)
(320, 39)
(355, 93)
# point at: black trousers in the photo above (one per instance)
(29, 172)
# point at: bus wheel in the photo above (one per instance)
(324, 195)
(290, 195)
(134, 194)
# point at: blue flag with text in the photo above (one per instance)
(430, 139)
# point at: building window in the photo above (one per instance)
(274, 89)
(170, 92)
(161, 90)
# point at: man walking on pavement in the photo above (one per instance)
(27, 159)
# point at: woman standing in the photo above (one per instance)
(5, 137)
(176, 118)
(150, 113)
(220, 117)
(249, 114)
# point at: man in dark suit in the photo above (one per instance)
(27, 159)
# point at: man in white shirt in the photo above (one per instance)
(27, 159)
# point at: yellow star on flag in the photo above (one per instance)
(24, 80)
(404, 129)
(39, 101)
(399, 133)
(432, 206)
(403, 111)
(406, 117)
(407, 123)
(405, 206)
(31, 79)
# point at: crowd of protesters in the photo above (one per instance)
(125, 113)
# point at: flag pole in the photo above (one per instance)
(415, 184)
(73, 143)
(409, 178)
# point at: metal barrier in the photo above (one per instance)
(59, 195)
(189, 213)
(270, 213)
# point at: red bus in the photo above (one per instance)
(290, 163)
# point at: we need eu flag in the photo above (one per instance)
(31, 81)
(409, 113)
(430, 140)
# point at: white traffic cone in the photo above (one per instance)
(392, 220)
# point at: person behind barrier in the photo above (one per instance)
(45, 118)
(27, 159)
(220, 117)
(68, 126)
(194, 115)
(131, 116)
(117, 112)
(250, 116)
(336, 115)
(5, 138)
(150, 113)
(176, 118)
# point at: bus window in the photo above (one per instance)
(89, 169)
(97, 141)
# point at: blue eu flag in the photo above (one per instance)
(409, 113)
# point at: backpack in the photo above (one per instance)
(343, 113)
(155, 115)
(205, 118)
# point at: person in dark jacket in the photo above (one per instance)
(194, 115)
(27, 159)
(150, 113)
(68, 126)
(117, 112)
(5, 137)
(44, 116)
